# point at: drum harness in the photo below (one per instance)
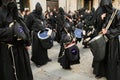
(111, 19)
(65, 45)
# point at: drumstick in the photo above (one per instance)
(66, 30)
(68, 18)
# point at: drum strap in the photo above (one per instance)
(109, 23)
(66, 30)
(111, 19)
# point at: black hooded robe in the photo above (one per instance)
(34, 23)
(17, 52)
(110, 66)
(113, 50)
(63, 58)
(98, 67)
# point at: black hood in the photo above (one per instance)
(61, 11)
(38, 9)
(107, 6)
(5, 2)
(11, 8)
(10, 5)
(105, 2)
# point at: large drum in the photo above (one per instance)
(98, 47)
(45, 37)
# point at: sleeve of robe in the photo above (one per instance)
(6, 33)
(29, 22)
(113, 32)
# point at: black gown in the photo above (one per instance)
(17, 52)
(98, 67)
(63, 58)
(109, 67)
(113, 50)
(34, 23)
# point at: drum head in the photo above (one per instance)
(43, 34)
(78, 33)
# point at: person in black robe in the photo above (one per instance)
(59, 21)
(14, 58)
(35, 21)
(110, 66)
(98, 67)
(63, 26)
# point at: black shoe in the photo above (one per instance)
(37, 65)
(85, 47)
(67, 68)
(49, 60)
(98, 76)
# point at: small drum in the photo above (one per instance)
(72, 51)
(78, 33)
(45, 38)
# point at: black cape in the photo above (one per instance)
(34, 23)
(17, 52)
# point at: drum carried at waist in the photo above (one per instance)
(72, 51)
(45, 37)
(98, 47)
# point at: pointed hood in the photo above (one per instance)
(61, 11)
(38, 8)
(5, 2)
(105, 2)
(106, 5)
(12, 9)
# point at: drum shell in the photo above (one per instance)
(47, 43)
(45, 38)
(72, 51)
(98, 47)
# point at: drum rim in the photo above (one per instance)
(42, 37)
(95, 38)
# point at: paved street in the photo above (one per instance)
(53, 71)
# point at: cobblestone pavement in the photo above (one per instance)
(53, 71)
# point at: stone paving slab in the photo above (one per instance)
(53, 71)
